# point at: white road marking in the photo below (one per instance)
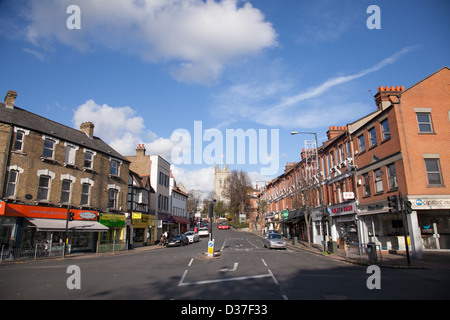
(273, 277)
(190, 262)
(182, 278)
(222, 280)
(228, 270)
(264, 262)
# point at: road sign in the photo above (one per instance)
(211, 248)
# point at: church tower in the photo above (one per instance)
(220, 175)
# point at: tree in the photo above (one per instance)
(193, 201)
(305, 199)
(237, 191)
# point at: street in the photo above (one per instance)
(242, 269)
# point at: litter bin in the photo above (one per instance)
(372, 252)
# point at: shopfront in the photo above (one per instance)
(32, 226)
(344, 222)
(114, 239)
(141, 229)
(433, 215)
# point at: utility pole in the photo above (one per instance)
(402, 209)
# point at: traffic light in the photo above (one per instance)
(393, 204)
(211, 210)
(71, 216)
(408, 208)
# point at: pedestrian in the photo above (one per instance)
(11, 248)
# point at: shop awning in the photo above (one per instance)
(180, 220)
(60, 225)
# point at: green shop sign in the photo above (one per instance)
(112, 220)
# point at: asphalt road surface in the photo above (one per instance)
(241, 270)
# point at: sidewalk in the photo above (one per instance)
(436, 260)
(433, 260)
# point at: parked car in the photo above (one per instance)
(178, 240)
(271, 232)
(192, 236)
(203, 232)
(274, 240)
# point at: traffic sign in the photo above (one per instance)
(211, 248)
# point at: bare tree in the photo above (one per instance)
(193, 201)
(305, 200)
(237, 191)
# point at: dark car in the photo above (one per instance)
(178, 240)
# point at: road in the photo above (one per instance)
(242, 270)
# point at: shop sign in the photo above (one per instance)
(140, 222)
(29, 211)
(284, 214)
(424, 203)
(112, 220)
(346, 208)
(348, 195)
(137, 215)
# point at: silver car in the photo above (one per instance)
(274, 240)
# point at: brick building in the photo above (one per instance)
(401, 147)
(48, 169)
(407, 151)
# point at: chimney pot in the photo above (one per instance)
(402, 88)
(140, 150)
(10, 99)
(88, 128)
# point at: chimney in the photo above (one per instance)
(387, 96)
(88, 129)
(10, 99)
(334, 131)
(140, 150)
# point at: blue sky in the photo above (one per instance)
(140, 69)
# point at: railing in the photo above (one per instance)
(41, 252)
(37, 252)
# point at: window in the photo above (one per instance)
(424, 122)
(12, 183)
(362, 145)
(44, 187)
(49, 146)
(112, 198)
(385, 132)
(65, 191)
(88, 159)
(18, 142)
(70, 155)
(372, 137)
(366, 185)
(433, 171)
(85, 194)
(114, 168)
(341, 153)
(392, 177)
(378, 181)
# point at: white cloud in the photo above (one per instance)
(124, 130)
(198, 38)
(200, 179)
(268, 103)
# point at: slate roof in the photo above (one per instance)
(28, 120)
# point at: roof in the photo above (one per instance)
(28, 120)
